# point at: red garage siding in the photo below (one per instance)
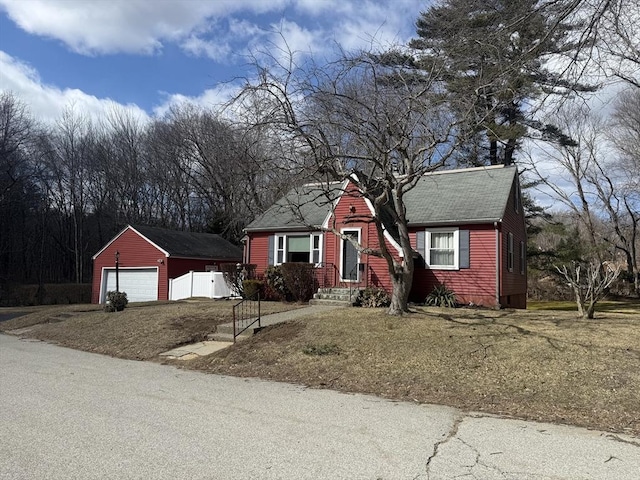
(135, 251)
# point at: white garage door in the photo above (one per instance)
(140, 284)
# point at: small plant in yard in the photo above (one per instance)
(373, 298)
(441, 296)
(324, 349)
(251, 288)
(116, 301)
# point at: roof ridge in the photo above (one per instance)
(468, 169)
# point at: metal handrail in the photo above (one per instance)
(245, 314)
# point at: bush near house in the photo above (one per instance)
(299, 280)
(116, 302)
(251, 288)
(275, 287)
(441, 296)
(373, 298)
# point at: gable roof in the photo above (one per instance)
(304, 206)
(184, 244)
(472, 195)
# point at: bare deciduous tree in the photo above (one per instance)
(360, 121)
(589, 283)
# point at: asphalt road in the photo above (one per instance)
(66, 414)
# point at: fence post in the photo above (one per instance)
(191, 283)
(212, 285)
(170, 288)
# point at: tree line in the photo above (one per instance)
(480, 81)
(68, 188)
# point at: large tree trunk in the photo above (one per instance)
(401, 280)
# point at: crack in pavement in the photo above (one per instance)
(622, 440)
(453, 431)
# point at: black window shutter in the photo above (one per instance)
(420, 240)
(465, 260)
(272, 243)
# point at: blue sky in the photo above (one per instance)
(148, 54)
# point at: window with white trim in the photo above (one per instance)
(510, 252)
(298, 247)
(523, 258)
(442, 249)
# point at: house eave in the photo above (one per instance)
(470, 221)
(217, 259)
(289, 228)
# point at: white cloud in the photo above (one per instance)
(47, 102)
(213, 98)
(130, 26)
(144, 26)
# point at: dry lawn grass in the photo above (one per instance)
(140, 332)
(538, 365)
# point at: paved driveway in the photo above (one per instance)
(66, 414)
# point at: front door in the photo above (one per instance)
(349, 270)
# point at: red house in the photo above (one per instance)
(148, 257)
(467, 228)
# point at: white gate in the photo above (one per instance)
(200, 284)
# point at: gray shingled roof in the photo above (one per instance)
(302, 207)
(189, 244)
(474, 195)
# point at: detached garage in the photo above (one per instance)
(149, 256)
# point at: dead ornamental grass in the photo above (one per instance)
(544, 366)
(139, 332)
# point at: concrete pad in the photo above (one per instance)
(200, 349)
(19, 331)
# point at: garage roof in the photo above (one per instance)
(185, 244)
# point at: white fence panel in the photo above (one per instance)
(200, 284)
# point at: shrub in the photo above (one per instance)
(299, 280)
(235, 274)
(373, 298)
(275, 283)
(441, 296)
(116, 301)
(251, 288)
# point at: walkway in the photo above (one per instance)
(187, 352)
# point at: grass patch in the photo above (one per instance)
(324, 349)
(140, 332)
(539, 365)
(627, 306)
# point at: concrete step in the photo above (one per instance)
(228, 328)
(228, 337)
(335, 291)
(327, 302)
(330, 296)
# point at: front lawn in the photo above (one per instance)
(140, 332)
(543, 365)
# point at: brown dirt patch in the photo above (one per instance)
(542, 365)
